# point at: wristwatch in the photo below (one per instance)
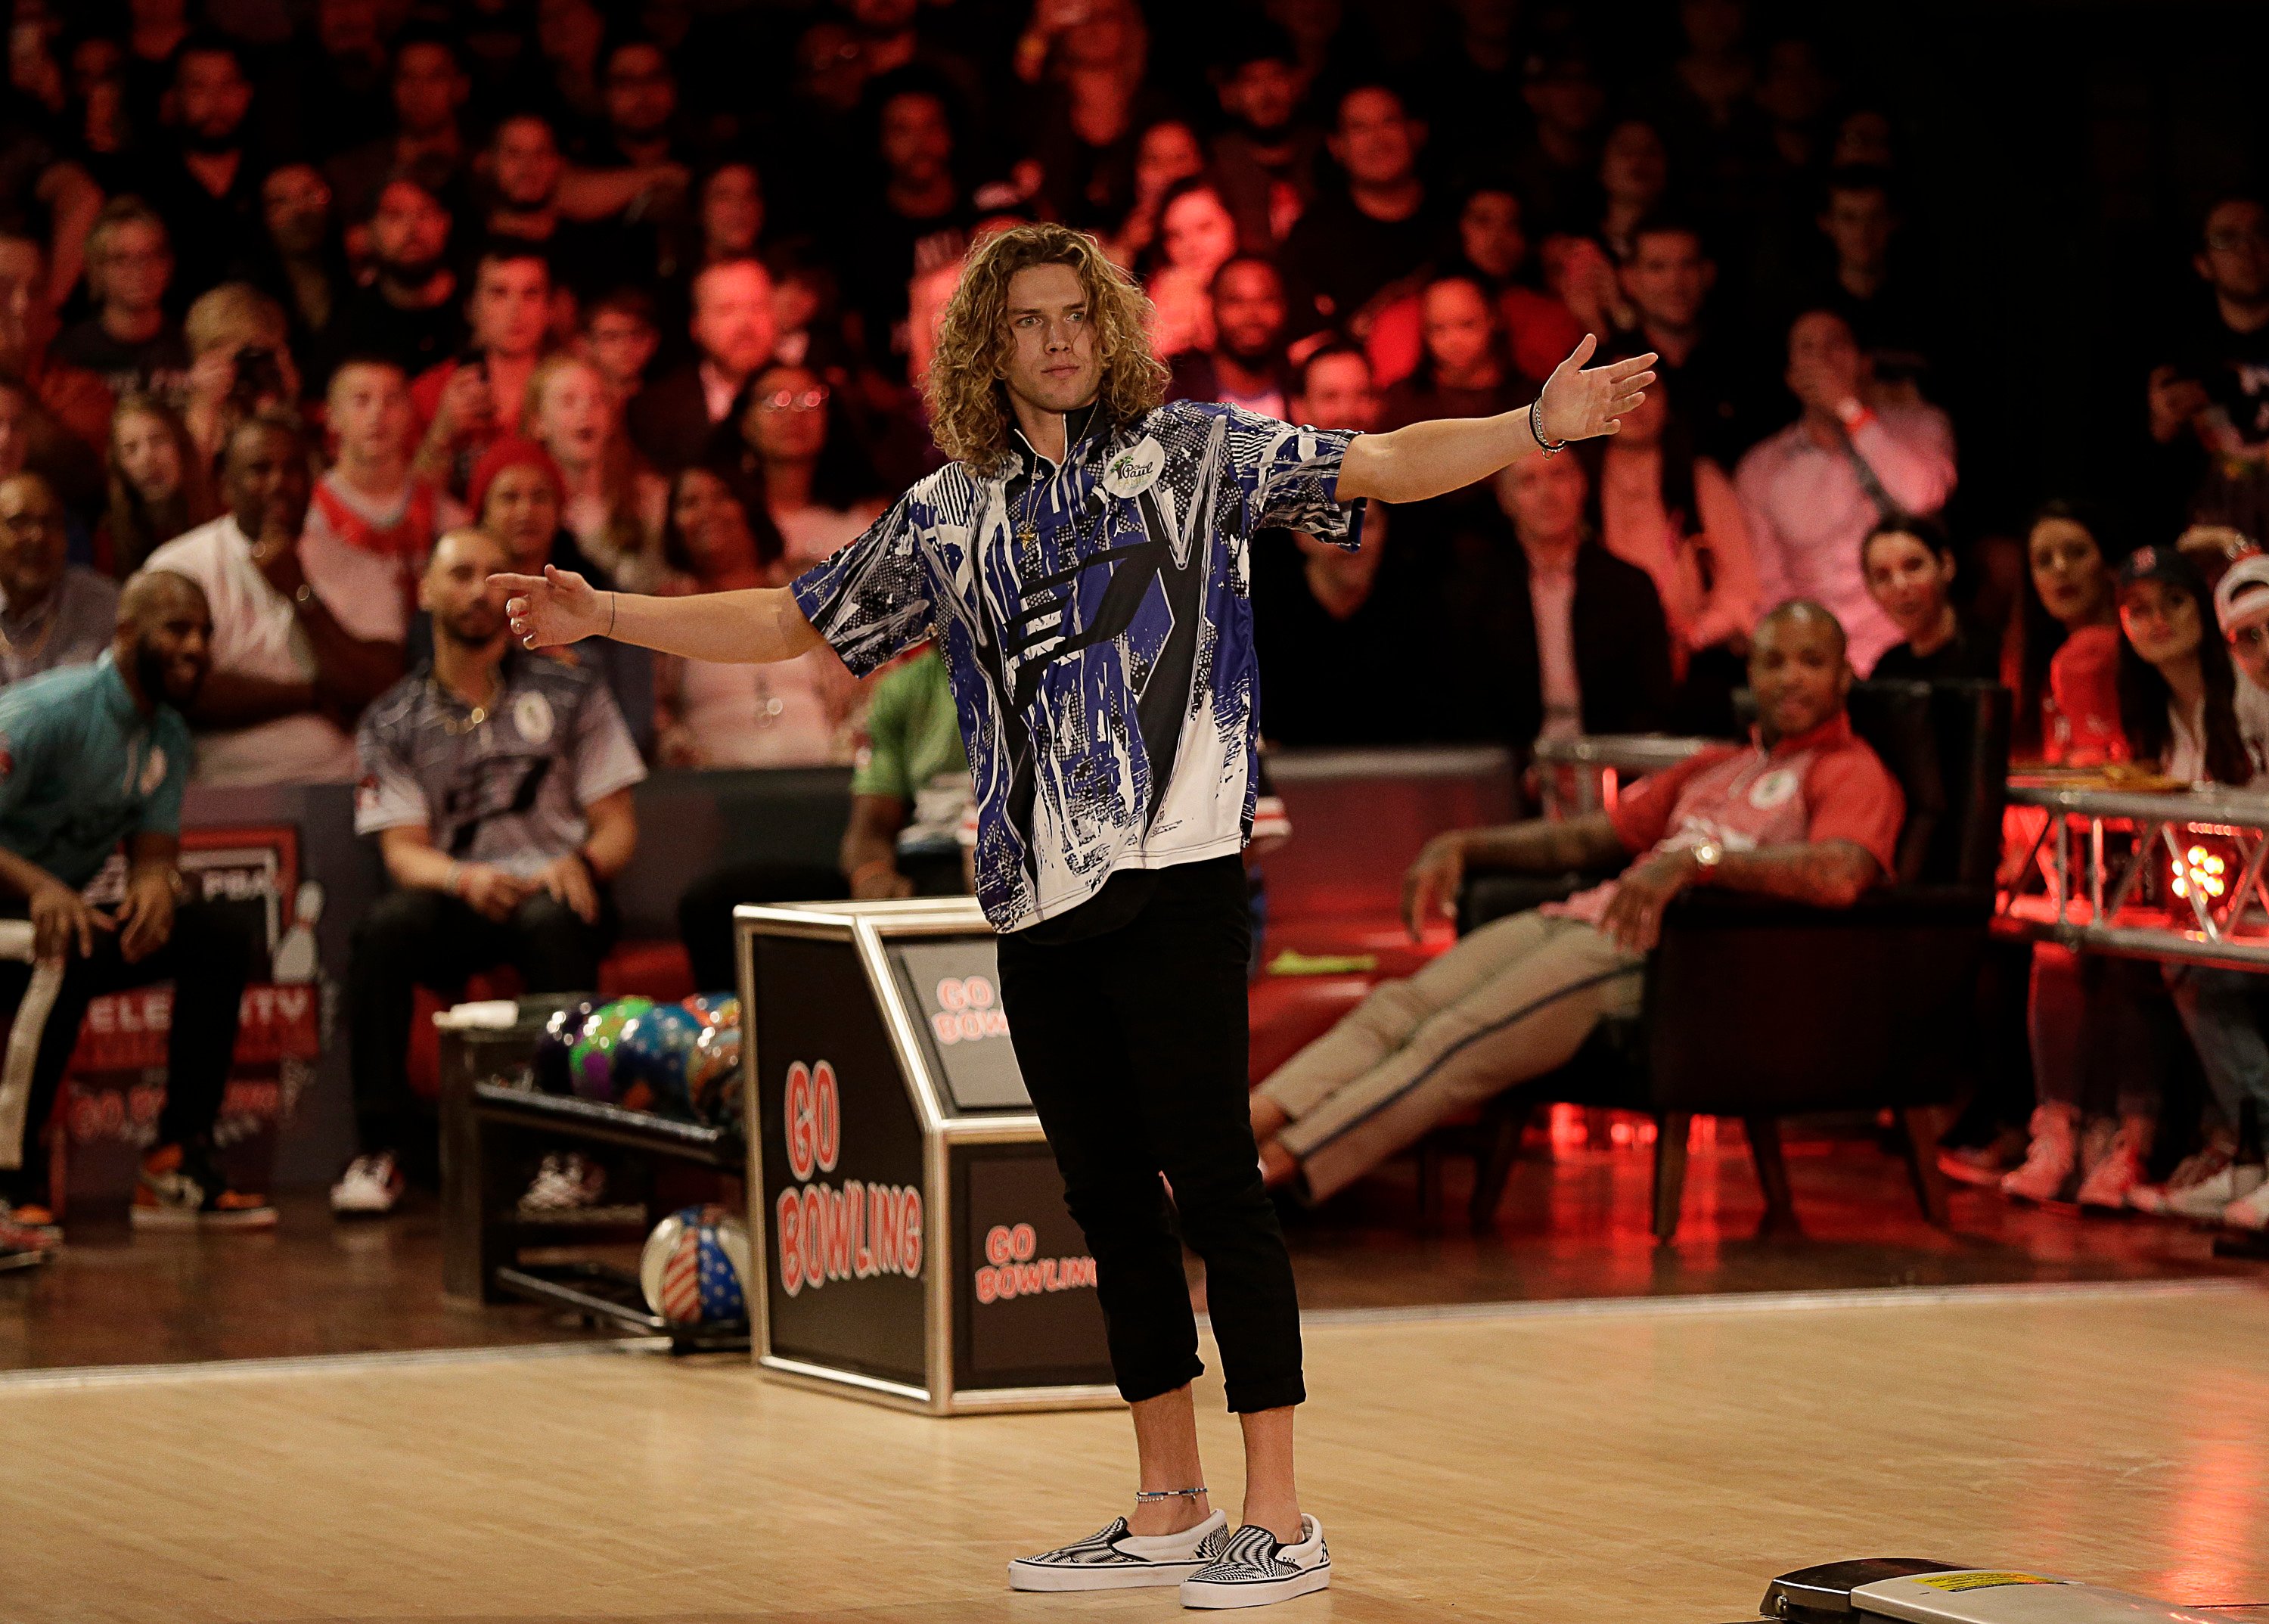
(1706, 854)
(304, 595)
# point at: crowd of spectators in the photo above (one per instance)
(288, 294)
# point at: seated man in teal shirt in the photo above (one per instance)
(92, 756)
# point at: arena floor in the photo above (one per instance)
(1630, 1462)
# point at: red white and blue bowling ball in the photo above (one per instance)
(553, 1048)
(653, 1053)
(591, 1060)
(695, 1270)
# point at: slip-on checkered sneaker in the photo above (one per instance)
(1115, 1559)
(1256, 1568)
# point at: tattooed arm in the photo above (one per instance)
(1828, 873)
(1538, 847)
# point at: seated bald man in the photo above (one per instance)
(1805, 811)
(94, 759)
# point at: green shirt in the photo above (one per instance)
(81, 769)
(913, 734)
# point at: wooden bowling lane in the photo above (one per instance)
(1625, 1462)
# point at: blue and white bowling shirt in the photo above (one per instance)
(1102, 667)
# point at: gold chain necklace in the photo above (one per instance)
(474, 717)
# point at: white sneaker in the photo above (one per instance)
(2248, 1212)
(1256, 1568)
(1115, 1559)
(371, 1187)
(568, 1181)
(2206, 1183)
(2114, 1174)
(2049, 1160)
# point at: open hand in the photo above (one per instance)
(62, 920)
(146, 919)
(555, 607)
(568, 878)
(1576, 404)
(1634, 916)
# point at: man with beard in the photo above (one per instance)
(303, 636)
(411, 314)
(94, 759)
(1245, 366)
(1266, 159)
(499, 786)
(204, 183)
(53, 612)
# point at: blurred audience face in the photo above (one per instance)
(1565, 99)
(369, 411)
(456, 592)
(1248, 311)
(264, 478)
(296, 202)
(1824, 364)
(1634, 168)
(787, 419)
(1544, 498)
(167, 640)
(1052, 364)
(1798, 672)
(211, 96)
(1263, 95)
(1488, 231)
(828, 65)
(511, 309)
(622, 346)
(1859, 222)
(1111, 37)
(732, 320)
(713, 524)
(528, 163)
(732, 211)
(1198, 232)
(348, 27)
(1377, 143)
(573, 414)
(2236, 259)
(1339, 394)
(1459, 329)
(429, 88)
(916, 139)
(1794, 90)
(143, 445)
(134, 267)
(641, 95)
(408, 233)
(569, 33)
(23, 316)
(521, 510)
(2161, 621)
(2249, 647)
(14, 429)
(33, 540)
(1667, 279)
(1863, 136)
(1909, 580)
(1169, 151)
(2069, 571)
(1712, 27)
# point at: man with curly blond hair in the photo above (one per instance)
(1083, 565)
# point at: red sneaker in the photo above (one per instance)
(178, 1191)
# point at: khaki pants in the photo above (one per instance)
(1510, 1002)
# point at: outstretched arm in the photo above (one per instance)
(751, 627)
(1427, 458)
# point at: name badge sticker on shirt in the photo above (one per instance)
(153, 771)
(1775, 789)
(1134, 470)
(531, 717)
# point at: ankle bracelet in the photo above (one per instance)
(1170, 1493)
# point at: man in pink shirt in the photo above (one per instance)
(1804, 812)
(1813, 491)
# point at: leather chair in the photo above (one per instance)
(1759, 1009)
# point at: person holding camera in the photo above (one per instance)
(240, 363)
(301, 640)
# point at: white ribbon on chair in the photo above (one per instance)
(30, 1023)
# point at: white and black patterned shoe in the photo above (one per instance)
(1116, 1559)
(1256, 1568)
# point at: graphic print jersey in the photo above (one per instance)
(1103, 671)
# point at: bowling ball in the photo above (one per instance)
(651, 1053)
(713, 1077)
(554, 1046)
(716, 1008)
(591, 1060)
(695, 1269)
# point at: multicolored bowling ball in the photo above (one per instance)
(695, 1270)
(591, 1061)
(555, 1045)
(716, 1008)
(652, 1055)
(713, 1077)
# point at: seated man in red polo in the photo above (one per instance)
(1805, 812)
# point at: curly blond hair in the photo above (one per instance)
(968, 409)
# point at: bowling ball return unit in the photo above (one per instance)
(1894, 1590)
(493, 1118)
(907, 1224)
